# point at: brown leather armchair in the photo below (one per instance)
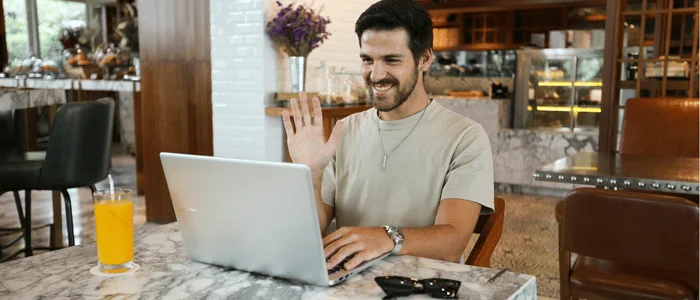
(661, 127)
(627, 245)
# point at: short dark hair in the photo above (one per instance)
(395, 14)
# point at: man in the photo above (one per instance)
(407, 163)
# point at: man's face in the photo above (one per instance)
(388, 67)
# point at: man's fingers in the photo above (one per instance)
(333, 247)
(287, 124)
(305, 108)
(342, 254)
(318, 114)
(359, 258)
(295, 113)
(333, 236)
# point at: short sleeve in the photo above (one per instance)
(470, 175)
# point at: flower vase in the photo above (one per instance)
(297, 69)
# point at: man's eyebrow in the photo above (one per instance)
(388, 56)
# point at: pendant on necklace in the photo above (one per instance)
(384, 164)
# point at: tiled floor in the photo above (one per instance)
(528, 244)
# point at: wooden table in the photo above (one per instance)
(331, 115)
(679, 175)
(167, 273)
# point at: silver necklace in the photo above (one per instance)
(386, 155)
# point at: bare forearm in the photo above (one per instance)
(443, 242)
(323, 218)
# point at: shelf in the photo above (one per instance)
(480, 47)
(560, 108)
(653, 12)
(671, 83)
(569, 83)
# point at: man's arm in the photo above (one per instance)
(326, 213)
(446, 240)
(307, 145)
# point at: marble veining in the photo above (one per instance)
(126, 121)
(68, 84)
(11, 99)
(518, 153)
(166, 273)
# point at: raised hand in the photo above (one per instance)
(307, 144)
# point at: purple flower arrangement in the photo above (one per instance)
(298, 30)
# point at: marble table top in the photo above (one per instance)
(167, 273)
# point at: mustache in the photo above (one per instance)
(383, 81)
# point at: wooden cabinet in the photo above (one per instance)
(653, 47)
(508, 27)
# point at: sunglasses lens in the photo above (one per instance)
(396, 286)
(441, 288)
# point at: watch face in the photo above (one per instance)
(396, 236)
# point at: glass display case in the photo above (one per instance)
(492, 63)
(559, 89)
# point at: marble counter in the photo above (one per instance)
(11, 99)
(74, 84)
(518, 153)
(125, 99)
(166, 273)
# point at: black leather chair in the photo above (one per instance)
(11, 133)
(77, 155)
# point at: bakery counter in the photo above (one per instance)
(73, 84)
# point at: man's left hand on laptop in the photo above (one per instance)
(366, 243)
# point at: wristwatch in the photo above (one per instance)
(396, 236)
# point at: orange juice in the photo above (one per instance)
(114, 226)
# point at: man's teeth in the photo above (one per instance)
(383, 87)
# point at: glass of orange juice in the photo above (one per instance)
(114, 230)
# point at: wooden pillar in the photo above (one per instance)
(176, 112)
(3, 37)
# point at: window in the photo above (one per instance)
(16, 29)
(51, 15)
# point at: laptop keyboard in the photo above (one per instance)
(341, 266)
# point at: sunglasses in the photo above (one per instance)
(398, 286)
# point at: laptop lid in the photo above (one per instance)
(250, 215)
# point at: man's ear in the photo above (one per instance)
(426, 60)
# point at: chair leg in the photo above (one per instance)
(28, 223)
(18, 204)
(69, 218)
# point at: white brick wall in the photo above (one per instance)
(247, 70)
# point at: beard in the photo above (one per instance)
(401, 92)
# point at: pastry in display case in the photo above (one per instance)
(559, 89)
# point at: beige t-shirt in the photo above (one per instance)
(446, 156)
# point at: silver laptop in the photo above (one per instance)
(250, 215)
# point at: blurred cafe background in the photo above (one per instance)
(572, 94)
